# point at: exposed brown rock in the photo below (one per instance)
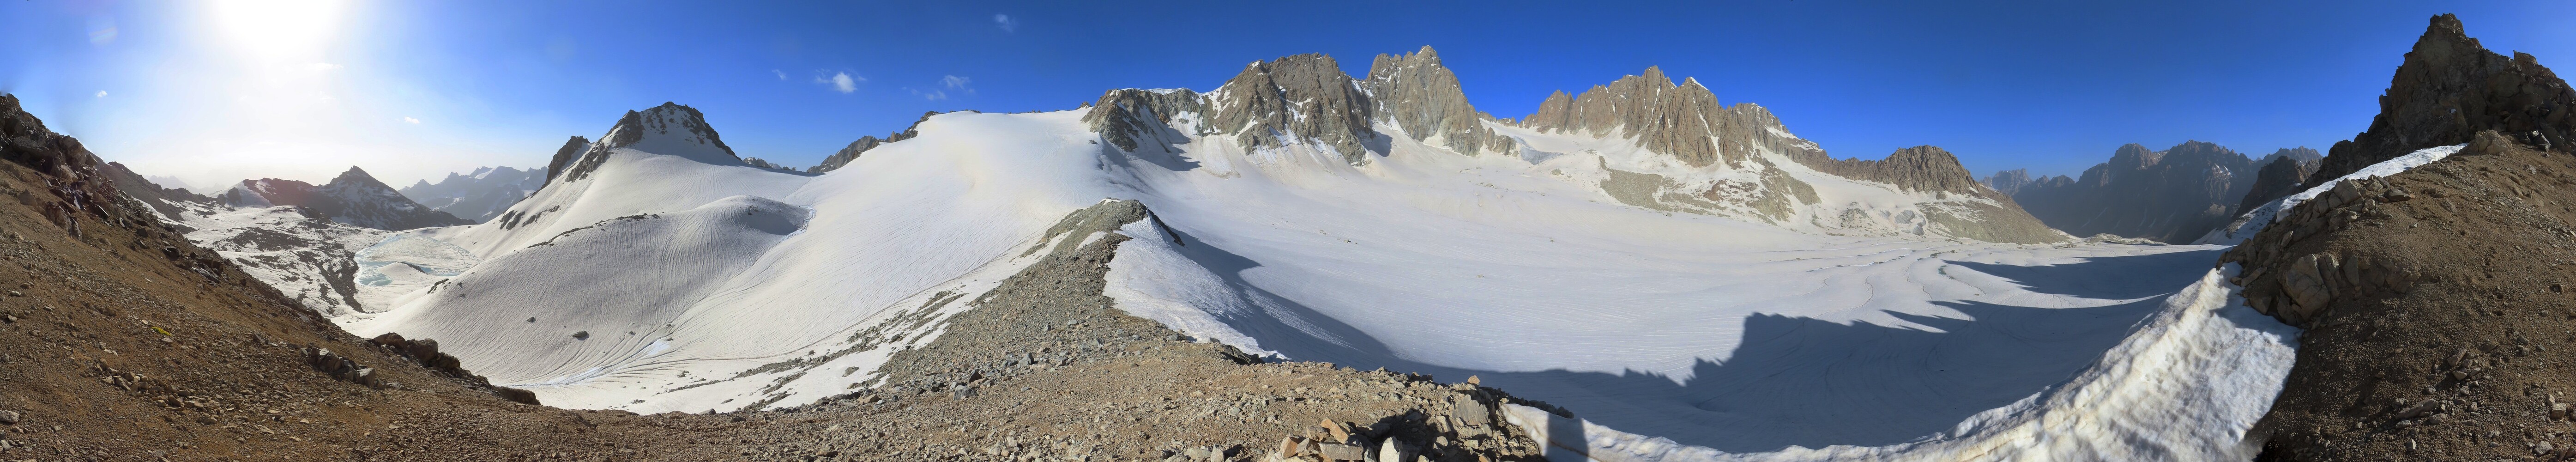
(1676, 120)
(566, 156)
(2283, 174)
(2448, 89)
(1303, 98)
(1415, 93)
(865, 143)
(1131, 118)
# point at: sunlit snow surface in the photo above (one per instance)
(703, 285)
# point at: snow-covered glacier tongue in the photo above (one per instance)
(1713, 292)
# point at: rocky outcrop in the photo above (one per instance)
(2448, 89)
(1675, 120)
(1302, 99)
(2174, 195)
(2008, 181)
(2434, 302)
(565, 156)
(353, 198)
(765, 163)
(1133, 118)
(863, 144)
(680, 130)
(1916, 169)
(1416, 94)
(2284, 173)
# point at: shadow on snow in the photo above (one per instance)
(1795, 381)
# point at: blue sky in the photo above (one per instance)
(214, 91)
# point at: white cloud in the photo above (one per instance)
(782, 75)
(412, 120)
(952, 81)
(933, 95)
(1007, 24)
(102, 93)
(840, 81)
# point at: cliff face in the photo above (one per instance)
(1416, 94)
(2174, 195)
(1677, 120)
(2284, 173)
(2448, 89)
(1297, 99)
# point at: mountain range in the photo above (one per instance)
(1169, 274)
(476, 197)
(2174, 195)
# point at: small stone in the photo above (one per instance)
(582, 335)
(8, 417)
(1340, 452)
(14, 293)
(532, 319)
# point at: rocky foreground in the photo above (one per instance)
(2439, 318)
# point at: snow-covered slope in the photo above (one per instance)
(655, 271)
(2254, 220)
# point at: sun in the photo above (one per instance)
(273, 30)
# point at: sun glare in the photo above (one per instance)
(277, 29)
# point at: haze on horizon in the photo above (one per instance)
(217, 91)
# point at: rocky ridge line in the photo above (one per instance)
(2448, 89)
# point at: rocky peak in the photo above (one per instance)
(354, 198)
(2282, 176)
(1918, 169)
(2448, 89)
(668, 129)
(864, 143)
(2173, 195)
(1129, 118)
(1297, 99)
(565, 156)
(1416, 94)
(1676, 120)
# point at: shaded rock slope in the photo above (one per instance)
(2174, 195)
(354, 198)
(2284, 173)
(2435, 300)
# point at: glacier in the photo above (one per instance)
(699, 283)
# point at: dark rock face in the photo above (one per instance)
(865, 143)
(2175, 195)
(479, 196)
(353, 198)
(565, 156)
(2284, 173)
(1415, 93)
(2448, 89)
(2172, 195)
(2008, 181)
(1133, 118)
(1297, 99)
(682, 124)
